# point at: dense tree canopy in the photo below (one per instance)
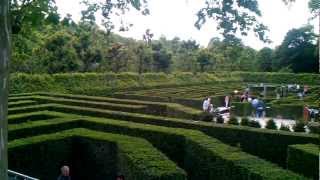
(45, 43)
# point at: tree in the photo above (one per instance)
(264, 59)
(185, 54)
(60, 54)
(314, 6)
(297, 51)
(161, 58)
(117, 59)
(233, 16)
(4, 62)
(27, 14)
(145, 58)
(203, 59)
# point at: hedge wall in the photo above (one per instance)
(154, 108)
(104, 84)
(271, 77)
(91, 155)
(200, 155)
(304, 159)
(271, 145)
(286, 111)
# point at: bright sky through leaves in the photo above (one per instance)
(176, 18)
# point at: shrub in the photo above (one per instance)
(220, 120)
(271, 124)
(100, 154)
(201, 156)
(233, 120)
(284, 128)
(227, 134)
(244, 121)
(299, 127)
(314, 127)
(207, 117)
(254, 124)
(303, 159)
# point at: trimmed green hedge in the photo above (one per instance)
(241, 109)
(286, 111)
(200, 155)
(21, 103)
(154, 108)
(104, 84)
(304, 159)
(271, 77)
(271, 145)
(33, 116)
(92, 155)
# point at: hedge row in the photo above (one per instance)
(104, 84)
(34, 116)
(155, 108)
(271, 77)
(166, 109)
(198, 154)
(92, 155)
(286, 111)
(265, 140)
(99, 83)
(304, 159)
(268, 144)
(21, 103)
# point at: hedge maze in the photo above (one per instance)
(100, 137)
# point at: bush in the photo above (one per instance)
(220, 120)
(244, 121)
(314, 127)
(254, 124)
(271, 124)
(100, 154)
(304, 159)
(201, 156)
(284, 128)
(227, 134)
(241, 109)
(233, 120)
(207, 117)
(299, 127)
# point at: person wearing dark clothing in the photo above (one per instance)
(259, 108)
(65, 173)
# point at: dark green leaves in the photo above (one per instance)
(233, 17)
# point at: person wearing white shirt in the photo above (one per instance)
(206, 105)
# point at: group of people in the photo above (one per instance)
(207, 105)
(257, 103)
(301, 91)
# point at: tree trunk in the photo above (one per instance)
(4, 61)
(319, 40)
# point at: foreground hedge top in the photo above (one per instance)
(307, 148)
(250, 165)
(151, 161)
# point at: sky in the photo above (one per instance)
(176, 18)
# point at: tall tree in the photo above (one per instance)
(4, 63)
(297, 50)
(264, 59)
(314, 6)
(233, 17)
